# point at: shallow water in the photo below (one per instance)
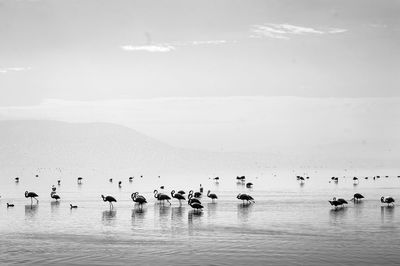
(290, 223)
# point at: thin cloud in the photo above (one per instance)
(149, 48)
(284, 31)
(13, 69)
(169, 47)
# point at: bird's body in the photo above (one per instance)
(110, 200)
(245, 197)
(119, 183)
(388, 200)
(73, 206)
(196, 206)
(212, 196)
(110, 180)
(31, 195)
(181, 192)
(161, 197)
(337, 202)
(16, 179)
(138, 198)
(177, 196)
(79, 180)
(53, 195)
(241, 177)
(249, 185)
(357, 197)
(9, 205)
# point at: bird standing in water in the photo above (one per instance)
(110, 200)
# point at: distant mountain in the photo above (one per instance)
(35, 143)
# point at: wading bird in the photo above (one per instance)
(73, 206)
(161, 197)
(212, 196)
(177, 196)
(53, 195)
(388, 200)
(138, 199)
(110, 200)
(196, 206)
(192, 200)
(245, 197)
(32, 195)
(357, 197)
(9, 205)
(80, 180)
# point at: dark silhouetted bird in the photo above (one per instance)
(110, 200)
(31, 195)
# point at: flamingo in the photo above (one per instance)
(249, 185)
(192, 200)
(355, 179)
(212, 196)
(9, 205)
(196, 206)
(110, 180)
(119, 183)
(73, 206)
(161, 196)
(110, 200)
(58, 182)
(246, 197)
(241, 177)
(196, 194)
(216, 178)
(177, 196)
(32, 195)
(16, 179)
(53, 195)
(130, 178)
(138, 198)
(338, 202)
(80, 180)
(357, 197)
(388, 200)
(181, 192)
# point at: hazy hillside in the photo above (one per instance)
(99, 145)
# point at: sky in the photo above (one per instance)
(184, 52)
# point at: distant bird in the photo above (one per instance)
(53, 188)
(16, 179)
(366, 177)
(110, 180)
(307, 177)
(177, 196)
(216, 178)
(196, 206)
(53, 195)
(301, 179)
(357, 197)
(130, 178)
(386, 176)
(338, 202)
(249, 185)
(32, 195)
(355, 179)
(110, 200)
(181, 192)
(141, 176)
(192, 200)
(241, 177)
(161, 187)
(10, 205)
(73, 206)
(138, 198)
(36, 175)
(388, 200)
(58, 182)
(201, 189)
(245, 197)
(80, 180)
(212, 196)
(161, 197)
(119, 183)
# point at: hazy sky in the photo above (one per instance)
(98, 49)
(206, 74)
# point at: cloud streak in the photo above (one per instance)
(285, 31)
(169, 47)
(13, 69)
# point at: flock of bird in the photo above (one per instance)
(194, 197)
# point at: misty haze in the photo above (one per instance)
(199, 132)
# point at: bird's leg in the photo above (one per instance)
(169, 202)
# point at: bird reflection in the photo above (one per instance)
(108, 217)
(138, 215)
(177, 212)
(31, 211)
(211, 209)
(338, 214)
(194, 217)
(387, 213)
(54, 206)
(244, 210)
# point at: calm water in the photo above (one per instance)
(289, 223)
